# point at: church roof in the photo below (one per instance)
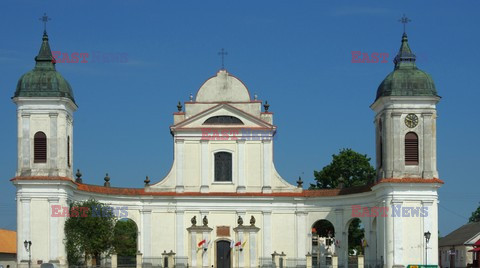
(406, 79)
(44, 80)
(223, 87)
(9, 241)
(461, 235)
(305, 193)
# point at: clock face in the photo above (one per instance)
(411, 120)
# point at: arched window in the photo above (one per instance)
(223, 166)
(40, 148)
(411, 149)
(223, 120)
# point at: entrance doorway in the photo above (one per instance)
(223, 254)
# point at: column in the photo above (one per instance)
(205, 253)
(52, 147)
(267, 233)
(398, 151)
(241, 259)
(301, 234)
(181, 259)
(267, 166)
(389, 236)
(253, 248)
(388, 145)
(25, 232)
(427, 154)
(114, 261)
(241, 166)
(179, 232)
(428, 227)
(179, 188)
(146, 228)
(24, 160)
(193, 248)
(341, 235)
(397, 234)
(53, 231)
(204, 188)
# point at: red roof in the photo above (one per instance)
(8, 241)
(305, 193)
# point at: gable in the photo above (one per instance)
(222, 116)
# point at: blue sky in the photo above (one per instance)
(295, 54)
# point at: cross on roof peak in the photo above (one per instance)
(223, 53)
(44, 19)
(404, 20)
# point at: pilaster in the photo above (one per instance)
(179, 188)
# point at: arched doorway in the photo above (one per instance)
(223, 250)
(323, 243)
(356, 241)
(125, 242)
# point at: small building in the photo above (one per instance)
(8, 248)
(455, 249)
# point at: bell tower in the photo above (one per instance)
(45, 107)
(405, 120)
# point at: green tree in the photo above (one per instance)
(89, 235)
(475, 216)
(355, 235)
(125, 241)
(353, 167)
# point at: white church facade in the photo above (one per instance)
(223, 185)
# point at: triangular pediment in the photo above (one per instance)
(224, 109)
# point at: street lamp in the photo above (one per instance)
(28, 245)
(427, 238)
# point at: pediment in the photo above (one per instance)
(217, 117)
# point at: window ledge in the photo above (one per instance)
(222, 183)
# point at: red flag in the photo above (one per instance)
(201, 243)
(238, 243)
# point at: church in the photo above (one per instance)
(223, 203)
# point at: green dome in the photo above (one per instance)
(406, 79)
(44, 80)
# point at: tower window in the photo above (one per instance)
(40, 148)
(223, 166)
(411, 149)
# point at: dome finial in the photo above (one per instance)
(44, 19)
(223, 53)
(405, 57)
(44, 59)
(404, 20)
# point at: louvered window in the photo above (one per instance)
(411, 149)
(40, 148)
(223, 166)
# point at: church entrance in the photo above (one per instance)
(223, 254)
